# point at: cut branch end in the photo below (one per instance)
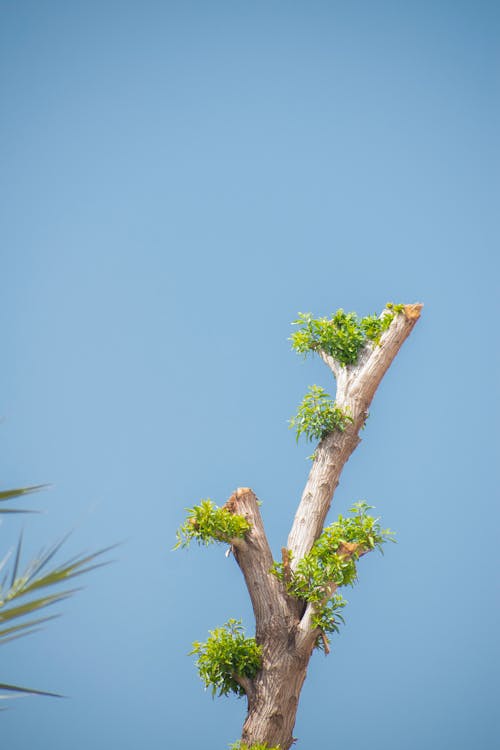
(412, 312)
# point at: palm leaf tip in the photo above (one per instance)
(10, 494)
(26, 691)
(37, 575)
(30, 583)
(18, 492)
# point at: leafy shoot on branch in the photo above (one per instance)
(318, 415)
(225, 656)
(331, 563)
(342, 336)
(207, 523)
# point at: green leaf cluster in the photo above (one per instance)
(207, 523)
(342, 336)
(395, 308)
(227, 653)
(318, 415)
(327, 618)
(331, 563)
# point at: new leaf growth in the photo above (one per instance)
(332, 563)
(342, 336)
(318, 415)
(206, 523)
(227, 658)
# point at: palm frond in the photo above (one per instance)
(21, 592)
(25, 628)
(33, 580)
(12, 494)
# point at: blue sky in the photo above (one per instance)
(178, 180)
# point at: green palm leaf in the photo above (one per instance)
(25, 628)
(30, 691)
(33, 580)
(11, 494)
(24, 593)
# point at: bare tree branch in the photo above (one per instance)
(254, 556)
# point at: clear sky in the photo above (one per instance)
(178, 180)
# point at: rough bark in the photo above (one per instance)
(283, 624)
(272, 707)
(274, 693)
(269, 600)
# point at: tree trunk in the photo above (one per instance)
(283, 624)
(273, 694)
(273, 706)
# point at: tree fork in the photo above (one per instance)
(285, 626)
(273, 694)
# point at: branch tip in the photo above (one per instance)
(242, 491)
(230, 504)
(325, 640)
(412, 312)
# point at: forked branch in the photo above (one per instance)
(356, 386)
(295, 602)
